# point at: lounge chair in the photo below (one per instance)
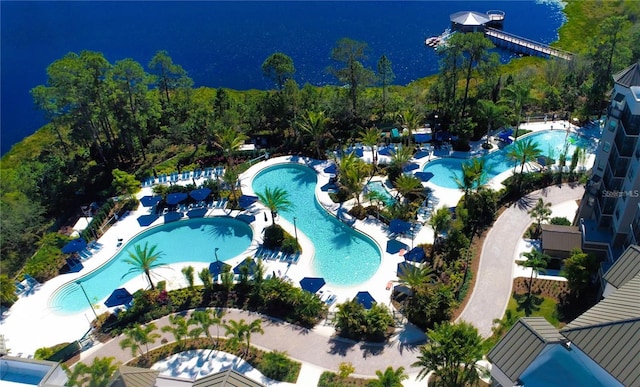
(85, 254)
(197, 173)
(208, 172)
(174, 177)
(162, 179)
(149, 182)
(186, 175)
(20, 288)
(295, 258)
(219, 171)
(222, 204)
(31, 282)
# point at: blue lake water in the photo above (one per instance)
(223, 44)
(343, 256)
(192, 240)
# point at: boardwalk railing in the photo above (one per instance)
(524, 45)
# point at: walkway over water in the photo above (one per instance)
(524, 45)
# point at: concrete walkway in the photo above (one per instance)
(500, 249)
(317, 349)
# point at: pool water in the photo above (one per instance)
(343, 256)
(378, 186)
(550, 142)
(192, 240)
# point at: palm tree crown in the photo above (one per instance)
(275, 199)
(144, 260)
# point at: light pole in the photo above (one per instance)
(216, 253)
(295, 228)
(88, 300)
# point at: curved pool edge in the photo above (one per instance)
(53, 296)
(321, 197)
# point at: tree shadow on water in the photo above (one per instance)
(528, 303)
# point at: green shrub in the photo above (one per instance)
(560, 221)
(273, 237)
(330, 379)
(276, 365)
(290, 245)
(46, 262)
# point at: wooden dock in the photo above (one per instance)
(523, 45)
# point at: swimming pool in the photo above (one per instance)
(343, 255)
(192, 240)
(550, 142)
(378, 186)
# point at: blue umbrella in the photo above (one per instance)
(404, 267)
(175, 198)
(249, 263)
(217, 267)
(246, 200)
(415, 255)
(332, 169)
(398, 226)
(172, 216)
(197, 213)
(394, 246)
(365, 299)
(422, 137)
(146, 220)
(120, 296)
(74, 246)
(150, 201)
(424, 176)
(247, 218)
(312, 284)
(200, 194)
(410, 167)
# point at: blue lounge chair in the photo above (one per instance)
(186, 175)
(222, 204)
(85, 254)
(208, 172)
(197, 173)
(174, 177)
(219, 171)
(149, 182)
(295, 258)
(20, 288)
(162, 179)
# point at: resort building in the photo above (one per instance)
(600, 347)
(609, 213)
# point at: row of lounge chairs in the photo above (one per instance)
(216, 204)
(207, 173)
(26, 285)
(276, 255)
(92, 248)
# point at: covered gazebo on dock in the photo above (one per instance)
(468, 21)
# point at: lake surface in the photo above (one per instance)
(223, 44)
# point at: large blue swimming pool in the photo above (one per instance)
(343, 256)
(550, 142)
(192, 240)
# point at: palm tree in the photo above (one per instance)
(414, 277)
(473, 176)
(502, 325)
(240, 332)
(409, 185)
(451, 353)
(138, 336)
(230, 140)
(537, 261)
(541, 212)
(205, 319)
(390, 378)
(188, 275)
(230, 178)
(353, 172)
(144, 260)
(98, 374)
(315, 125)
(524, 151)
(179, 328)
(276, 200)
(517, 96)
(377, 199)
(401, 157)
(440, 221)
(492, 113)
(411, 120)
(370, 138)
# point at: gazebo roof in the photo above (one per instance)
(469, 18)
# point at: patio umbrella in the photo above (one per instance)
(332, 169)
(422, 137)
(246, 200)
(415, 255)
(249, 263)
(398, 226)
(200, 194)
(146, 220)
(150, 201)
(365, 299)
(218, 267)
(172, 216)
(197, 213)
(312, 284)
(394, 246)
(424, 176)
(175, 198)
(120, 296)
(74, 246)
(247, 218)
(410, 167)
(404, 267)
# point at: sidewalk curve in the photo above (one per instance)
(494, 279)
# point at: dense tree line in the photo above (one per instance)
(144, 118)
